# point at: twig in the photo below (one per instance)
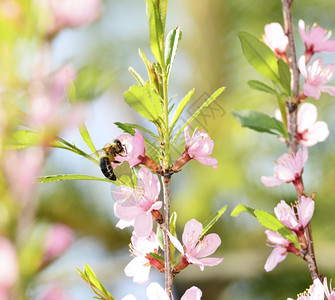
(167, 249)
(292, 104)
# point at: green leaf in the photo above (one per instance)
(182, 104)
(285, 76)
(242, 208)
(137, 76)
(160, 237)
(173, 221)
(63, 177)
(156, 30)
(96, 284)
(271, 222)
(259, 122)
(282, 107)
(156, 256)
(162, 7)
(212, 220)
(171, 46)
(91, 82)
(145, 101)
(260, 86)
(124, 174)
(153, 76)
(198, 111)
(86, 137)
(260, 56)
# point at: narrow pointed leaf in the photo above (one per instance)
(285, 76)
(96, 283)
(242, 208)
(271, 222)
(198, 111)
(259, 122)
(171, 46)
(181, 106)
(173, 221)
(212, 220)
(86, 137)
(137, 76)
(26, 138)
(150, 69)
(156, 30)
(282, 107)
(156, 256)
(260, 86)
(63, 177)
(260, 56)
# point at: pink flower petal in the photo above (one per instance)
(136, 268)
(192, 233)
(208, 161)
(328, 89)
(149, 183)
(143, 225)
(305, 210)
(8, 263)
(208, 245)
(277, 255)
(286, 215)
(316, 133)
(176, 243)
(126, 213)
(276, 238)
(307, 116)
(192, 293)
(271, 181)
(275, 37)
(156, 292)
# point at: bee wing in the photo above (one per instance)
(97, 154)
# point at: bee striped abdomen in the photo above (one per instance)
(106, 168)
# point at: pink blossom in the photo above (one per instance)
(195, 249)
(316, 75)
(287, 215)
(288, 168)
(139, 267)
(8, 266)
(193, 293)
(22, 167)
(315, 292)
(199, 147)
(134, 207)
(316, 39)
(58, 239)
(310, 131)
(49, 111)
(135, 146)
(54, 293)
(330, 292)
(72, 13)
(279, 252)
(275, 38)
(156, 292)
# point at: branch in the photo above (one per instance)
(291, 103)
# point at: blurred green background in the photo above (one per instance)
(209, 57)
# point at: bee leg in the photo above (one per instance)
(116, 162)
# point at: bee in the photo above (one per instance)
(108, 154)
